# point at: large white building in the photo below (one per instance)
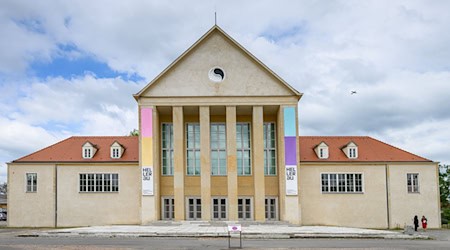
(219, 140)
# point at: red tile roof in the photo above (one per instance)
(369, 150)
(69, 150)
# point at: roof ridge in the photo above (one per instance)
(42, 149)
(392, 146)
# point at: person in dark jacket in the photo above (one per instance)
(416, 223)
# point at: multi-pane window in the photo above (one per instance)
(245, 208)
(115, 152)
(194, 209)
(413, 183)
(271, 208)
(269, 149)
(99, 182)
(31, 182)
(352, 153)
(167, 148)
(193, 148)
(168, 208)
(218, 149)
(342, 183)
(243, 148)
(87, 153)
(219, 208)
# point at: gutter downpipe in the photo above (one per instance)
(386, 169)
(56, 195)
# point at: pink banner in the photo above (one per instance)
(146, 122)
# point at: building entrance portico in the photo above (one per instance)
(217, 118)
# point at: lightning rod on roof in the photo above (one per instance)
(215, 18)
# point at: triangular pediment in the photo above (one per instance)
(194, 74)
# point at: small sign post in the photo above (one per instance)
(234, 229)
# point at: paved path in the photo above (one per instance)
(214, 229)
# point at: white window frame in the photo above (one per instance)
(171, 208)
(266, 199)
(115, 152)
(87, 153)
(352, 152)
(346, 186)
(218, 150)
(244, 211)
(219, 198)
(414, 188)
(239, 148)
(32, 188)
(195, 206)
(268, 150)
(194, 170)
(106, 185)
(169, 169)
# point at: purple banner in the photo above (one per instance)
(290, 150)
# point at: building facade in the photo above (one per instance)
(219, 140)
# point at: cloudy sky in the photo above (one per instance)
(71, 67)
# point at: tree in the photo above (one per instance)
(3, 188)
(134, 132)
(444, 184)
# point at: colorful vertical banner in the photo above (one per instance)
(147, 150)
(147, 180)
(290, 150)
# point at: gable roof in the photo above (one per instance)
(69, 150)
(216, 28)
(369, 150)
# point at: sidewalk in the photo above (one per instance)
(219, 229)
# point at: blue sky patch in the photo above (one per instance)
(32, 25)
(278, 34)
(67, 66)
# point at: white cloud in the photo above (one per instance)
(395, 54)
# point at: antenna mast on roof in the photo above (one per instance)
(215, 18)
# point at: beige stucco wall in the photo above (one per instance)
(241, 73)
(31, 209)
(88, 209)
(404, 205)
(367, 210)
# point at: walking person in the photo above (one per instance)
(416, 223)
(424, 223)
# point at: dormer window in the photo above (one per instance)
(116, 150)
(351, 150)
(322, 150)
(87, 153)
(88, 150)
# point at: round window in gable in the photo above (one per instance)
(216, 74)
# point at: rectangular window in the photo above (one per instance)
(270, 166)
(193, 148)
(245, 208)
(31, 182)
(243, 149)
(219, 208)
(194, 209)
(168, 208)
(218, 149)
(115, 153)
(413, 183)
(167, 148)
(99, 183)
(271, 208)
(342, 183)
(87, 153)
